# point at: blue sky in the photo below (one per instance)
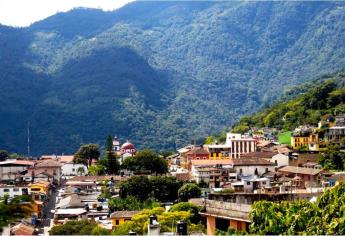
(25, 12)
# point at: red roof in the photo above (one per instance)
(127, 145)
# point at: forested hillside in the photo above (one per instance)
(158, 73)
(302, 105)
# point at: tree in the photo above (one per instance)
(15, 209)
(140, 221)
(188, 191)
(332, 158)
(195, 217)
(96, 170)
(86, 154)
(83, 227)
(109, 144)
(3, 155)
(137, 186)
(80, 170)
(146, 160)
(161, 188)
(110, 163)
(165, 189)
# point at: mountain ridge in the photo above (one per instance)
(158, 73)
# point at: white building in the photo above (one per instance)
(69, 168)
(11, 169)
(234, 146)
(253, 166)
(240, 144)
(13, 191)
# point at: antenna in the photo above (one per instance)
(29, 139)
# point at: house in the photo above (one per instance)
(11, 169)
(252, 166)
(72, 201)
(119, 217)
(39, 190)
(13, 190)
(337, 132)
(303, 176)
(38, 176)
(23, 229)
(51, 167)
(305, 137)
(69, 168)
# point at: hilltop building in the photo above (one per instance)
(234, 146)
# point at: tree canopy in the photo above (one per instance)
(326, 216)
(86, 154)
(188, 191)
(146, 160)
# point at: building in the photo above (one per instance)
(116, 144)
(127, 150)
(305, 138)
(11, 169)
(69, 168)
(23, 229)
(337, 132)
(39, 190)
(51, 167)
(252, 166)
(13, 190)
(234, 146)
(304, 176)
(120, 217)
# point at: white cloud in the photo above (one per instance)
(25, 12)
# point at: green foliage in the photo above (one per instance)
(326, 216)
(131, 203)
(96, 170)
(146, 160)
(110, 163)
(285, 138)
(166, 219)
(109, 144)
(83, 227)
(86, 154)
(188, 191)
(332, 158)
(317, 100)
(15, 209)
(142, 187)
(3, 155)
(82, 73)
(195, 217)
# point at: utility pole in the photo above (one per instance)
(29, 139)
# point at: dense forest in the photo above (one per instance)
(302, 105)
(158, 73)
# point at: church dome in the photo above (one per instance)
(127, 145)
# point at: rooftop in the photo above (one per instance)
(300, 170)
(123, 214)
(259, 154)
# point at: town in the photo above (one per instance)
(199, 189)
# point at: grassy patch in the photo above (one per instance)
(285, 138)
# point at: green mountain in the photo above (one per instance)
(158, 73)
(301, 105)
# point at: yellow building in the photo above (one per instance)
(39, 191)
(309, 141)
(120, 217)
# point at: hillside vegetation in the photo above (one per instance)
(159, 73)
(304, 105)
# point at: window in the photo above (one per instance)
(73, 169)
(264, 182)
(117, 222)
(16, 190)
(6, 190)
(248, 183)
